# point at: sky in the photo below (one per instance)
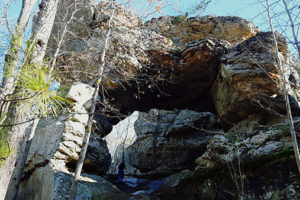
(248, 9)
(243, 8)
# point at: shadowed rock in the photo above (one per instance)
(177, 137)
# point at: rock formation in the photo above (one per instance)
(249, 82)
(261, 158)
(198, 98)
(55, 149)
(178, 137)
(153, 69)
(183, 30)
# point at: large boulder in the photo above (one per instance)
(249, 80)
(183, 30)
(257, 163)
(80, 52)
(61, 139)
(175, 137)
(47, 184)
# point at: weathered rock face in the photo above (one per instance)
(61, 138)
(179, 79)
(259, 142)
(273, 177)
(256, 164)
(253, 164)
(129, 42)
(176, 136)
(248, 81)
(183, 30)
(47, 184)
(153, 64)
(56, 146)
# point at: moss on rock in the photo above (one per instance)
(4, 145)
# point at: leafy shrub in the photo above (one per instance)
(181, 19)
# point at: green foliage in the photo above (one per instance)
(181, 19)
(34, 84)
(29, 50)
(4, 145)
(15, 44)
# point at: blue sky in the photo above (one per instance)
(243, 8)
(247, 9)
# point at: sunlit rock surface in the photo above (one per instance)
(183, 30)
(249, 80)
(56, 146)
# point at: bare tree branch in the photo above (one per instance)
(287, 103)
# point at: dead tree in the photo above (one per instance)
(73, 190)
(285, 93)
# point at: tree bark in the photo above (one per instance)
(36, 121)
(285, 93)
(296, 42)
(41, 31)
(12, 57)
(73, 189)
(42, 28)
(24, 157)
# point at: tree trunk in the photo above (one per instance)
(73, 189)
(285, 93)
(24, 157)
(296, 42)
(42, 28)
(12, 57)
(36, 121)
